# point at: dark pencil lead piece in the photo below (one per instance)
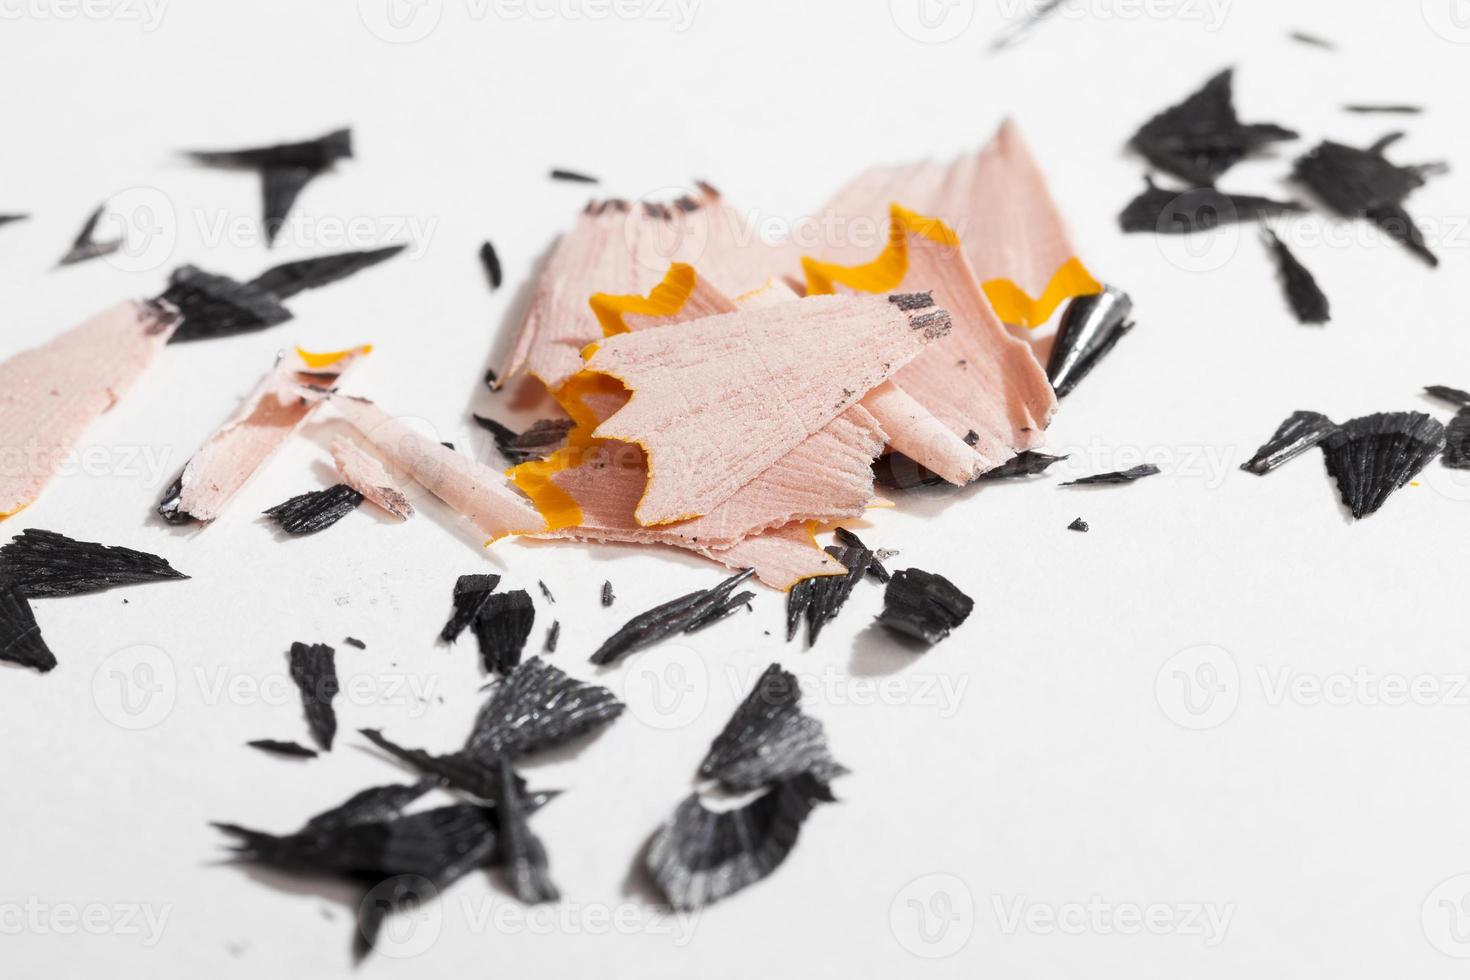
(1454, 396)
(86, 246)
(1028, 22)
(1089, 329)
(1313, 40)
(1179, 212)
(275, 747)
(1307, 300)
(470, 593)
(607, 594)
(520, 851)
(895, 471)
(491, 263)
(573, 176)
(353, 641)
(1116, 477)
(546, 592)
(701, 856)
(20, 636)
(492, 380)
(1392, 110)
(1365, 184)
(6, 219)
(502, 625)
(1300, 432)
(676, 616)
(543, 438)
(923, 606)
(875, 562)
(1457, 441)
(315, 510)
(820, 598)
(769, 739)
(553, 636)
(289, 278)
(285, 169)
(44, 563)
(314, 669)
(1372, 456)
(1202, 137)
(539, 707)
(1079, 525)
(400, 861)
(219, 306)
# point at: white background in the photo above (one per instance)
(1051, 773)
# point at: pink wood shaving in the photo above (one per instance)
(365, 473)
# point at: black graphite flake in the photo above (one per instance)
(285, 169)
(722, 610)
(491, 263)
(6, 219)
(895, 471)
(680, 615)
(553, 636)
(520, 851)
(1079, 525)
(821, 598)
(282, 748)
(543, 438)
(470, 593)
(607, 594)
(769, 739)
(353, 641)
(314, 669)
(1307, 300)
(1457, 441)
(457, 770)
(289, 278)
(875, 561)
(1117, 477)
(316, 510)
(573, 176)
(1454, 396)
(539, 707)
(502, 626)
(44, 563)
(1312, 40)
(400, 861)
(1390, 110)
(701, 856)
(1088, 330)
(1031, 18)
(219, 306)
(923, 605)
(1300, 432)
(86, 245)
(546, 592)
(1372, 456)
(1202, 137)
(1364, 184)
(20, 636)
(1165, 211)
